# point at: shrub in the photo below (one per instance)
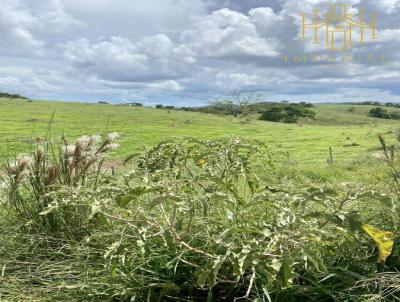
(205, 220)
(394, 115)
(378, 112)
(286, 113)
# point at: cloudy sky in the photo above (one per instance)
(187, 52)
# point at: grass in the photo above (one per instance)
(188, 220)
(345, 128)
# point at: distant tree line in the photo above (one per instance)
(132, 104)
(240, 105)
(374, 103)
(166, 107)
(12, 96)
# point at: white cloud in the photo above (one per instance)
(265, 17)
(15, 34)
(23, 25)
(224, 34)
(388, 6)
(120, 59)
(52, 18)
(228, 34)
(183, 50)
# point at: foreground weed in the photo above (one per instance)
(44, 189)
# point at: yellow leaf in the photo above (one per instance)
(383, 240)
(201, 162)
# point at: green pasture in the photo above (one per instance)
(345, 128)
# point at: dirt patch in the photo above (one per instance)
(112, 165)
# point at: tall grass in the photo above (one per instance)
(44, 187)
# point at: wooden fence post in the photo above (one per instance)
(330, 160)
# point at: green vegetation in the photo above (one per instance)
(380, 112)
(197, 207)
(286, 113)
(11, 96)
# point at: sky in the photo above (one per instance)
(188, 52)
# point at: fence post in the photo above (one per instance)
(330, 160)
(392, 151)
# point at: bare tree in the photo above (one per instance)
(239, 104)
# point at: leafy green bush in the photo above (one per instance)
(286, 113)
(206, 220)
(378, 112)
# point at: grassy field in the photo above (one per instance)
(345, 128)
(221, 220)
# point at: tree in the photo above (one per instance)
(286, 113)
(135, 104)
(11, 96)
(238, 105)
(378, 112)
(305, 104)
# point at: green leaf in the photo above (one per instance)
(124, 200)
(215, 269)
(167, 285)
(315, 260)
(286, 271)
(240, 261)
(276, 264)
(202, 277)
(113, 271)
